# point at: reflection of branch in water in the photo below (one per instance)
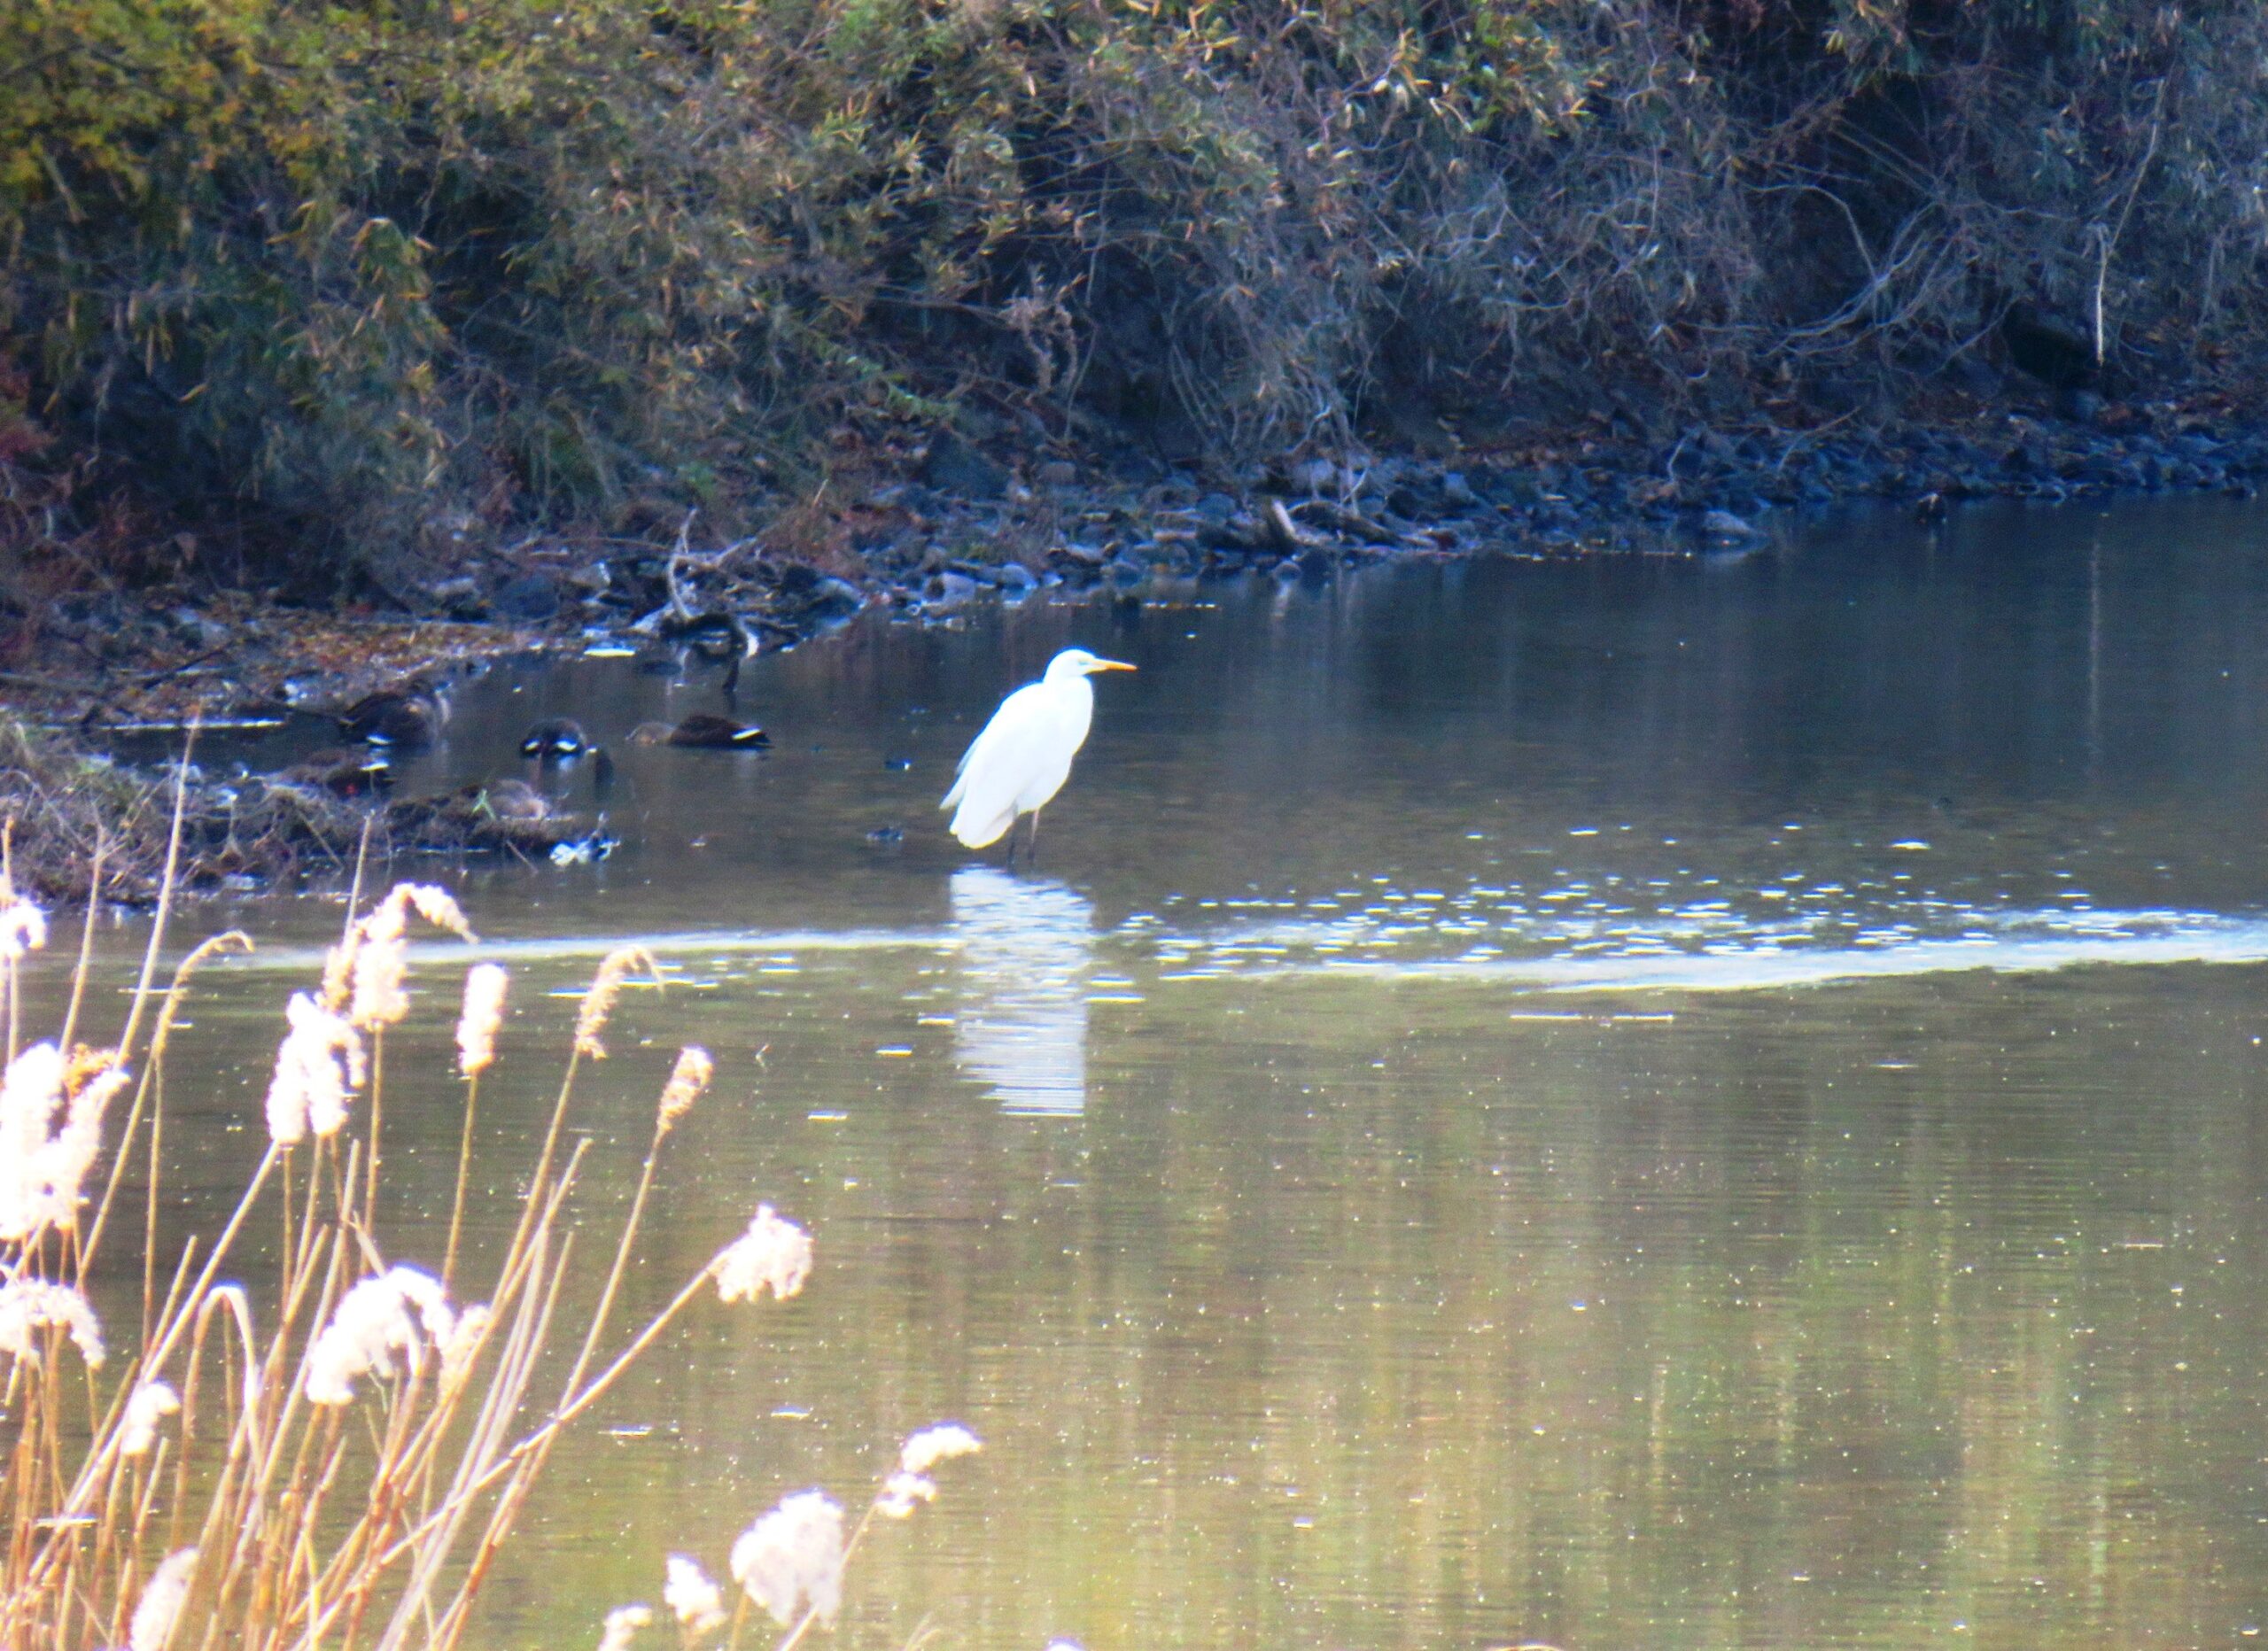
(1026, 948)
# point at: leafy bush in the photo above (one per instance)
(367, 275)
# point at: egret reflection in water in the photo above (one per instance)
(1026, 947)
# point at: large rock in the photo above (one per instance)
(954, 467)
(530, 597)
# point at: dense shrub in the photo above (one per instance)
(406, 271)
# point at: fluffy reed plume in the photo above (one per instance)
(362, 975)
(362, 1500)
(159, 1612)
(438, 907)
(902, 1493)
(380, 1317)
(622, 1625)
(23, 928)
(30, 1094)
(381, 966)
(911, 1486)
(790, 1561)
(688, 1079)
(606, 986)
(44, 1166)
(319, 1066)
(483, 1016)
(772, 1254)
(149, 1405)
(29, 1304)
(941, 1442)
(693, 1597)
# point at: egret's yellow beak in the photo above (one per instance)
(1112, 664)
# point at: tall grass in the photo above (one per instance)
(338, 1454)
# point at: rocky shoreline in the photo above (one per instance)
(964, 527)
(968, 528)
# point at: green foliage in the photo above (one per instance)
(362, 272)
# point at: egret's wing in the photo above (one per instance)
(997, 766)
(1020, 711)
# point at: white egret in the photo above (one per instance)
(1023, 757)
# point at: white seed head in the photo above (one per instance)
(689, 1079)
(30, 1094)
(606, 986)
(773, 1254)
(902, 1493)
(697, 1602)
(23, 928)
(379, 1317)
(32, 1304)
(72, 1154)
(381, 966)
(319, 1065)
(483, 1016)
(151, 1403)
(622, 1625)
(941, 1442)
(438, 907)
(793, 1555)
(161, 1601)
(44, 1168)
(369, 967)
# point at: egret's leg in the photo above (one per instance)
(1031, 848)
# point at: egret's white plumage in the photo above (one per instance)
(1023, 757)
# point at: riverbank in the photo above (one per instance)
(960, 523)
(123, 675)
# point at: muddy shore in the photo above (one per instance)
(964, 527)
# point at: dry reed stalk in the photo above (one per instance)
(483, 1016)
(351, 1471)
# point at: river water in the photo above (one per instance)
(1628, 1103)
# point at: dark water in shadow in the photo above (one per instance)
(1632, 1103)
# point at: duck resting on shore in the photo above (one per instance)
(408, 714)
(341, 771)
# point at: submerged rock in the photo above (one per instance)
(1725, 524)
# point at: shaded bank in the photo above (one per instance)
(351, 299)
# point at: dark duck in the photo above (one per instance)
(557, 740)
(408, 714)
(705, 731)
(343, 772)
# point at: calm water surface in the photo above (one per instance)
(1635, 1104)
